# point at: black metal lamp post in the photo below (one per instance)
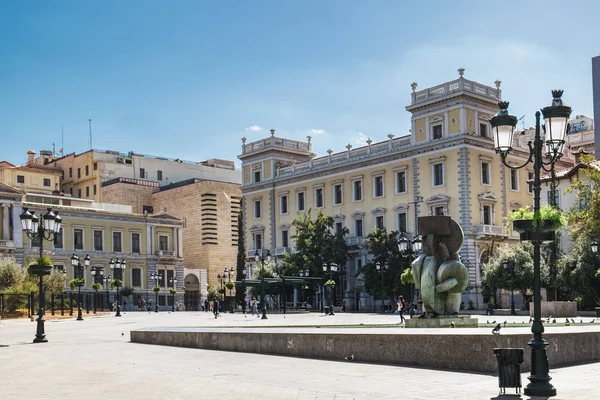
(118, 267)
(80, 268)
(156, 278)
(258, 257)
(556, 118)
(97, 277)
(106, 284)
(509, 269)
(37, 231)
(382, 268)
(303, 273)
(330, 270)
(229, 274)
(405, 244)
(173, 283)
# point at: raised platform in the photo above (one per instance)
(460, 321)
(453, 349)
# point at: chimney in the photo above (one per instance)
(30, 157)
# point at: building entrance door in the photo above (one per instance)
(192, 293)
(190, 300)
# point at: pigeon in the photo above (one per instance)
(488, 321)
(496, 330)
(505, 324)
(493, 322)
(452, 325)
(592, 321)
(581, 321)
(350, 357)
(554, 321)
(530, 320)
(567, 320)
(122, 334)
(572, 320)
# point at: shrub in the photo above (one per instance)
(11, 273)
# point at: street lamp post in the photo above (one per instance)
(416, 245)
(330, 270)
(118, 267)
(303, 273)
(173, 283)
(229, 273)
(382, 268)
(38, 229)
(80, 268)
(156, 278)
(503, 124)
(97, 275)
(509, 269)
(259, 258)
(106, 284)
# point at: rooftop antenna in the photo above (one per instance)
(90, 121)
(522, 121)
(53, 149)
(62, 140)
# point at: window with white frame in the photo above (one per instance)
(283, 204)
(338, 196)
(514, 179)
(98, 240)
(358, 227)
(400, 182)
(438, 174)
(117, 238)
(379, 222)
(257, 175)
(300, 203)
(257, 209)
(556, 197)
(257, 241)
(486, 178)
(483, 129)
(487, 214)
(59, 239)
(401, 219)
(529, 182)
(319, 201)
(436, 131)
(378, 190)
(285, 242)
(357, 194)
(135, 243)
(78, 239)
(136, 277)
(438, 210)
(163, 243)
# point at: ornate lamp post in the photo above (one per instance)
(416, 245)
(303, 273)
(80, 279)
(37, 231)
(173, 283)
(97, 277)
(107, 280)
(329, 270)
(382, 268)
(118, 267)
(229, 274)
(509, 269)
(156, 278)
(258, 257)
(555, 128)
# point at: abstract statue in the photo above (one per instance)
(438, 272)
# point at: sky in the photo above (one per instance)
(189, 79)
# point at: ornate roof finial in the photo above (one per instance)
(413, 86)
(390, 136)
(348, 146)
(461, 72)
(243, 140)
(308, 138)
(497, 83)
(329, 151)
(369, 141)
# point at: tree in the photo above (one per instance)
(11, 273)
(212, 293)
(55, 282)
(316, 244)
(241, 258)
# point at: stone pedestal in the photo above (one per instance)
(460, 321)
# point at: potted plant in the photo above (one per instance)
(229, 285)
(330, 282)
(156, 289)
(97, 287)
(536, 226)
(77, 282)
(173, 291)
(41, 266)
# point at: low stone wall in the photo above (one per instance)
(556, 309)
(467, 352)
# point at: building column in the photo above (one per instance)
(463, 120)
(427, 137)
(17, 229)
(5, 221)
(179, 242)
(476, 123)
(149, 235)
(446, 133)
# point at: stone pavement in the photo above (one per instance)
(93, 359)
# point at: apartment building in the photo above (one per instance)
(445, 165)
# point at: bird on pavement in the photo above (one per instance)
(452, 325)
(505, 324)
(493, 322)
(350, 357)
(496, 330)
(567, 320)
(530, 320)
(572, 320)
(554, 321)
(592, 321)
(488, 321)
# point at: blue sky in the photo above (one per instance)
(188, 79)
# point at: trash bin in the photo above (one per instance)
(326, 308)
(597, 312)
(509, 368)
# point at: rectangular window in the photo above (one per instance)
(556, 198)
(487, 215)
(529, 182)
(170, 276)
(485, 173)
(358, 227)
(159, 175)
(338, 197)
(437, 131)
(283, 204)
(79, 193)
(257, 176)
(136, 277)
(378, 186)
(402, 222)
(78, 239)
(71, 191)
(401, 182)
(163, 243)
(483, 131)
(87, 170)
(514, 179)
(339, 227)
(58, 240)
(439, 210)
(117, 242)
(20, 178)
(284, 239)
(46, 182)
(78, 173)
(135, 243)
(87, 191)
(379, 222)
(300, 201)
(142, 173)
(98, 241)
(319, 198)
(357, 190)
(162, 277)
(95, 190)
(438, 175)
(70, 172)
(257, 210)
(95, 166)
(257, 241)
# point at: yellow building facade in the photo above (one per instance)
(445, 165)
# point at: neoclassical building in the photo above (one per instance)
(445, 165)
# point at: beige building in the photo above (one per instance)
(445, 165)
(34, 177)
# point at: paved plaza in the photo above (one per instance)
(93, 359)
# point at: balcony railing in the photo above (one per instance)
(7, 244)
(275, 142)
(164, 253)
(490, 230)
(355, 240)
(459, 85)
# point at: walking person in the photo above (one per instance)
(401, 308)
(206, 306)
(216, 308)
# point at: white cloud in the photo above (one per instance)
(318, 131)
(361, 139)
(254, 128)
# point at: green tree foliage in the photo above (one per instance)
(11, 273)
(316, 244)
(55, 282)
(241, 258)
(212, 293)
(383, 247)
(97, 287)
